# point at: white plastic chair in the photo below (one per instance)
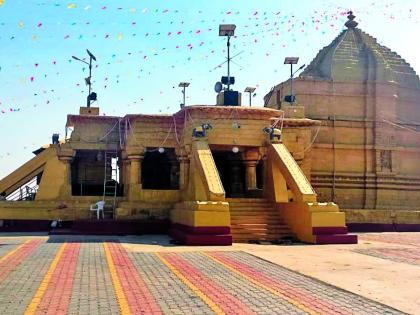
(98, 207)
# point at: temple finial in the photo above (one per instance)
(351, 23)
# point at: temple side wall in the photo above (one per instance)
(367, 152)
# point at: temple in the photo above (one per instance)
(217, 174)
(366, 155)
(212, 173)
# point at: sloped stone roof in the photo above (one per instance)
(356, 56)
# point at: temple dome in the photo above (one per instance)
(355, 56)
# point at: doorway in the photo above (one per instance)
(160, 169)
(231, 172)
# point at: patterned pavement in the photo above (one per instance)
(407, 254)
(412, 239)
(102, 277)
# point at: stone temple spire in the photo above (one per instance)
(351, 24)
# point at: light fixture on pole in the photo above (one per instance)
(183, 85)
(229, 31)
(92, 96)
(291, 61)
(250, 90)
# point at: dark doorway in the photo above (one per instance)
(231, 171)
(88, 173)
(160, 170)
(260, 174)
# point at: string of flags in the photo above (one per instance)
(279, 28)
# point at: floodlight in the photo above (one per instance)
(249, 89)
(291, 60)
(91, 95)
(227, 29)
(183, 85)
(91, 55)
(228, 80)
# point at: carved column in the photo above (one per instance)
(251, 174)
(66, 156)
(135, 169)
(251, 158)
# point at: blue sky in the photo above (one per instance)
(145, 48)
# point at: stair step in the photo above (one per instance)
(255, 221)
(254, 201)
(252, 204)
(270, 233)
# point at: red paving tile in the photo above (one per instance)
(11, 262)
(58, 293)
(221, 297)
(301, 296)
(138, 296)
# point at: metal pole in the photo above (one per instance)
(90, 83)
(291, 82)
(183, 92)
(249, 99)
(228, 62)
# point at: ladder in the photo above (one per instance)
(110, 179)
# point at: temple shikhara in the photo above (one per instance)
(345, 154)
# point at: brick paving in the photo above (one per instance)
(90, 276)
(225, 300)
(409, 253)
(93, 292)
(17, 290)
(265, 303)
(137, 294)
(172, 295)
(403, 255)
(6, 247)
(16, 256)
(412, 239)
(57, 295)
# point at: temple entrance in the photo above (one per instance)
(88, 171)
(231, 172)
(160, 170)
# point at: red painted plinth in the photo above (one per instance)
(201, 236)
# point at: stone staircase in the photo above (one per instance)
(256, 220)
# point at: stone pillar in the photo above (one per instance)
(65, 190)
(66, 156)
(135, 169)
(251, 158)
(184, 171)
(251, 174)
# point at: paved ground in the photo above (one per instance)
(147, 275)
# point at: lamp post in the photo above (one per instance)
(229, 31)
(92, 95)
(183, 85)
(250, 90)
(292, 61)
